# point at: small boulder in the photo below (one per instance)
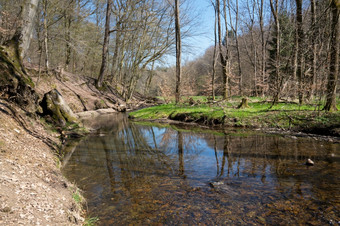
(100, 104)
(215, 184)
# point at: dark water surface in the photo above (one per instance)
(139, 174)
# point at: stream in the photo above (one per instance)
(141, 174)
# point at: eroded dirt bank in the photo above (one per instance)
(32, 189)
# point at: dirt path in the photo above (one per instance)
(32, 188)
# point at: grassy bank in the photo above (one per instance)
(260, 114)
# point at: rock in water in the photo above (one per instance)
(309, 162)
(216, 184)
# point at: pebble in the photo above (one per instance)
(6, 210)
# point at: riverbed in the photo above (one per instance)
(135, 173)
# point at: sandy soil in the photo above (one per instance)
(32, 189)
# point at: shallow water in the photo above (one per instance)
(141, 174)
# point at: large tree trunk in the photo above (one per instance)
(15, 84)
(54, 105)
(105, 45)
(178, 52)
(334, 61)
(25, 30)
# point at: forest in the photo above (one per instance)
(276, 49)
(244, 131)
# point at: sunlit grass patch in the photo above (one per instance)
(259, 113)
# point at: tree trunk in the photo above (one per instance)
(115, 57)
(275, 10)
(149, 79)
(46, 36)
(15, 84)
(314, 50)
(68, 42)
(101, 76)
(54, 105)
(238, 52)
(214, 58)
(222, 58)
(243, 104)
(227, 68)
(25, 30)
(263, 46)
(334, 61)
(178, 52)
(299, 42)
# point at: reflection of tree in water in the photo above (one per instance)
(129, 154)
(180, 153)
(135, 154)
(145, 168)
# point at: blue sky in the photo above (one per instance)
(205, 29)
(203, 11)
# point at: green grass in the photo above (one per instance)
(91, 221)
(77, 197)
(260, 113)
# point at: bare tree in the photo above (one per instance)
(299, 47)
(275, 12)
(178, 52)
(68, 19)
(260, 8)
(100, 79)
(45, 2)
(334, 61)
(234, 27)
(215, 55)
(313, 55)
(223, 57)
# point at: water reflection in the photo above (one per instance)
(137, 174)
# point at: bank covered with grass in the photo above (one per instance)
(259, 114)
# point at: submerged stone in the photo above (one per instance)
(309, 162)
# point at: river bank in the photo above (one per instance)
(33, 190)
(282, 118)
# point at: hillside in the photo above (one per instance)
(32, 189)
